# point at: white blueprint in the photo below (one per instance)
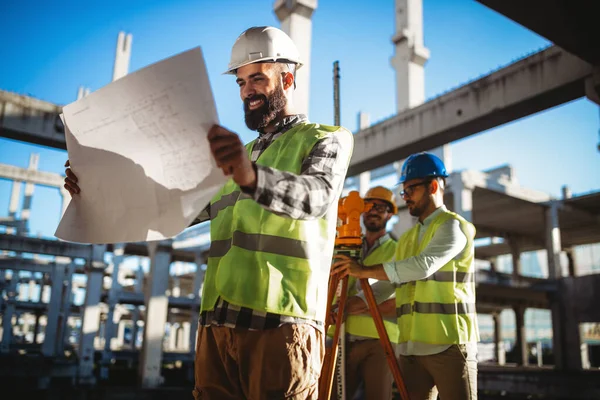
(138, 147)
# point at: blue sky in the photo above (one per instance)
(53, 49)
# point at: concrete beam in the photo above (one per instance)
(543, 80)
(27, 264)
(31, 120)
(25, 244)
(32, 176)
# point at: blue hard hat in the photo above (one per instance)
(422, 165)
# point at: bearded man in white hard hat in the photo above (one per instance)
(261, 333)
(261, 326)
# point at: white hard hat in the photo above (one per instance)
(263, 43)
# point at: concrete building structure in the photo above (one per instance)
(148, 318)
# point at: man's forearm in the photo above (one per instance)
(374, 272)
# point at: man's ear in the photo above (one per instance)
(434, 186)
(288, 80)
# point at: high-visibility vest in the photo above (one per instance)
(264, 261)
(363, 325)
(441, 308)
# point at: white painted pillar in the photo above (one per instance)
(295, 18)
(122, 55)
(157, 309)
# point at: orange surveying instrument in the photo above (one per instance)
(349, 242)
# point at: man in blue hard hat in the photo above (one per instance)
(433, 276)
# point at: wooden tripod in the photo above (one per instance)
(328, 369)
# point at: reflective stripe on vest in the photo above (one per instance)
(441, 308)
(268, 262)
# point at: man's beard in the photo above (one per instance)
(374, 225)
(272, 106)
(419, 209)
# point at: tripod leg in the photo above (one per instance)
(384, 338)
(329, 362)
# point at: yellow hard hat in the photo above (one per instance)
(382, 193)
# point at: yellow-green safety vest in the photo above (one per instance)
(264, 261)
(441, 308)
(363, 325)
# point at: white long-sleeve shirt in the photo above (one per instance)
(447, 243)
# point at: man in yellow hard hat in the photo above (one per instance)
(365, 358)
(261, 327)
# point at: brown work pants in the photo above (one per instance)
(365, 361)
(452, 373)
(281, 363)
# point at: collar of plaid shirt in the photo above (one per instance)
(286, 123)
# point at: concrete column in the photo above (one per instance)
(157, 309)
(185, 334)
(572, 267)
(566, 331)
(173, 331)
(121, 334)
(538, 353)
(498, 343)
(364, 179)
(494, 264)
(410, 54)
(36, 327)
(34, 159)
(51, 333)
(198, 279)
(553, 245)
(410, 57)
(7, 316)
(135, 314)
(463, 197)
(91, 314)
(521, 340)
(295, 18)
(13, 205)
(45, 294)
(176, 291)
(113, 298)
(65, 309)
(31, 291)
(516, 257)
(122, 55)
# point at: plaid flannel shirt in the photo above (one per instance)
(305, 196)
